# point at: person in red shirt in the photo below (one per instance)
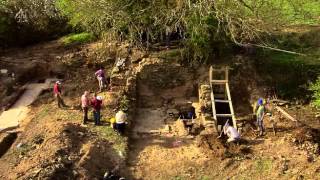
(96, 103)
(57, 94)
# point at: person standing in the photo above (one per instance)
(101, 79)
(96, 104)
(257, 105)
(260, 116)
(85, 106)
(57, 93)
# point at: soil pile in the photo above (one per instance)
(307, 138)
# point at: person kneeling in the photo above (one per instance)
(232, 133)
(121, 120)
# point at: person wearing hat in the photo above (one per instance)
(85, 106)
(57, 94)
(260, 116)
(257, 105)
(96, 104)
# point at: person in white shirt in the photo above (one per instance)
(121, 120)
(232, 133)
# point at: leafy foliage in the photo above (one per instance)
(315, 88)
(77, 38)
(27, 21)
(202, 23)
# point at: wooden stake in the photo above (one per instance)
(288, 116)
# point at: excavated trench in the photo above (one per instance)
(163, 92)
(6, 142)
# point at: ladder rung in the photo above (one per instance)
(221, 101)
(219, 81)
(224, 115)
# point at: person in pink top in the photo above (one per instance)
(101, 79)
(85, 102)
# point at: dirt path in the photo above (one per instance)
(11, 118)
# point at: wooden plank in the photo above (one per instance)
(222, 101)
(227, 73)
(231, 106)
(219, 81)
(213, 106)
(224, 115)
(288, 116)
(210, 74)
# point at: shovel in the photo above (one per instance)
(222, 130)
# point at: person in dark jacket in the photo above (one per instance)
(57, 94)
(96, 103)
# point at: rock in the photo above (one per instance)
(121, 62)
(115, 70)
(36, 171)
(300, 177)
(4, 71)
(118, 80)
(167, 128)
(310, 158)
(72, 55)
(75, 173)
(284, 166)
(172, 112)
(19, 145)
(81, 134)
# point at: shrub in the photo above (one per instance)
(80, 38)
(315, 88)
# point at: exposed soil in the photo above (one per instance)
(52, 143)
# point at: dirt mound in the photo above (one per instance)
(306, 133)
(307, 138)
(210, 144)
(217, 147)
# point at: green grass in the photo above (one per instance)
(119, 142)
(263, 165)
(80, 38)
(291, 74)
(45, 111)
(204, 178)
(178, 178)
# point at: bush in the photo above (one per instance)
(80, 38)
(23, 22)
(315, 88)
(202, 25)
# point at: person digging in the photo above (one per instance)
(120, 122)
(57, 94)
(231, 132)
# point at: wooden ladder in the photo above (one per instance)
(219, 80)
